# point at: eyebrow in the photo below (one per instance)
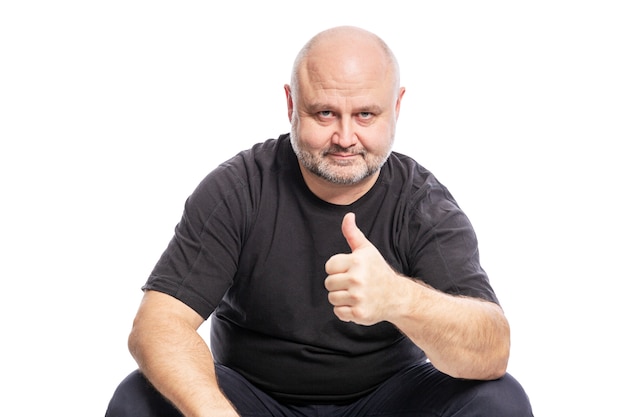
(371, 109)
(319, 106)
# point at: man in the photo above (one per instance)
(343, 278)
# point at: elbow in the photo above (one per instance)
(487, 363)
(501, 363)
(495, 363)
(496, 369)
(495, 360)
(135, 342)
(496, 356)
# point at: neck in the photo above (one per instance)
(339, 194)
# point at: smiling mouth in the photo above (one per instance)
(342, 155)
(343, 159)
(338, 152)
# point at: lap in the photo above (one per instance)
(424, 391)
(136, 397)
(418, 391)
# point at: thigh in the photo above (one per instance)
(136, 397)
(425, 392)
(249, 400)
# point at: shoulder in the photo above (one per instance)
(237, 182)
(426, 199)
(262, 155)
(410, 177)
(249, 165)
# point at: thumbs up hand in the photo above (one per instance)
(360, 284)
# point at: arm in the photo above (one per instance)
(174, 357)
(463, 337)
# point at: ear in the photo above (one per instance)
(399, 101)
(289, 101)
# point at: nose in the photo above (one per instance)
(345, 134)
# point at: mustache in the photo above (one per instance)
(352, 150)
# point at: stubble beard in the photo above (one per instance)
(336, 172)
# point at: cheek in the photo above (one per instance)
(379, 139)
(312, 135)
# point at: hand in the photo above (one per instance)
(360, 284)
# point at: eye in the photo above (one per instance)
(366, 115)
(325, 114)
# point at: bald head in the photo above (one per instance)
(343, 104)
(346, 51)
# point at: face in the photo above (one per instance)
(343, 116)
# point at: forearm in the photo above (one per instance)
(177, 361)
(463, 337)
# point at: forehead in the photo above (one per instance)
(324, 80)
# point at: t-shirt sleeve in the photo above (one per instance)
(445, 247)
(199, 264)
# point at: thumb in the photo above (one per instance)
(355, 238)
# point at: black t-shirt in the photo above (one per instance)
(251, 248)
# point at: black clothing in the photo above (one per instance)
(420, 390)
(251, 247)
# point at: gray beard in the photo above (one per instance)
(317, 168)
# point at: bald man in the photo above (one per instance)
(341, 278)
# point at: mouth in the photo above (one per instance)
(343, 158)
(343, 153)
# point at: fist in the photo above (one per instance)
(360, 283)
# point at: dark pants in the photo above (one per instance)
(420, 391)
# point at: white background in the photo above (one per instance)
(112, 112)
